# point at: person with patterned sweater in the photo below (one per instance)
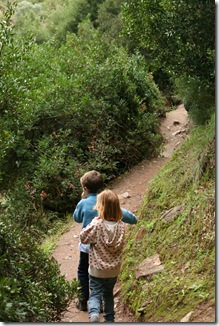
(106, 235)
(92, 183)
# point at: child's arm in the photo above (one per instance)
(78, 212)
(128, 217)
(89, 233)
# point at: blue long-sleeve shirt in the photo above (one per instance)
(84, 212)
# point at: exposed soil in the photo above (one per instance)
(131, 189)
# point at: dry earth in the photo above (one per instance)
(131, 189)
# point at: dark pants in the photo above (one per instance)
(102, 288)
(83, 276)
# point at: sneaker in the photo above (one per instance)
(81, 305)
(101, 307)
(94, 318)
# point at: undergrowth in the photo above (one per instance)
(186, 246)
(50, 241)
(32, 288)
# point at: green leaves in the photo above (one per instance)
(31, 287)
(177, 32)
(84, 105)
(177, 38)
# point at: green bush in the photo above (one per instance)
(84, 105)
(31, 287)
(198, 98)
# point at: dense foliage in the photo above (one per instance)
(178, 38)
(67, 109)
(44, 19)
(31, 287)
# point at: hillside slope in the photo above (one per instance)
(169, 265)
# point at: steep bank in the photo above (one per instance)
(168, 271)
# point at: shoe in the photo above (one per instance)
(81, 305)
(94, 318)
(101, 307)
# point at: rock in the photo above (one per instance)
(126, 195)
(149, 266)
(67, 257)
(179, 132)
(144, 306)
(140, 234)
(176, 133)
(176, 122)
(117, 291)
(186, 319)
(169, 215)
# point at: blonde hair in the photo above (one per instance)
(108, 206)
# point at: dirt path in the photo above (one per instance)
(131, 189)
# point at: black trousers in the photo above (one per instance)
(83, 276)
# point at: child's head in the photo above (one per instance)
(108, 206)
(92, 181)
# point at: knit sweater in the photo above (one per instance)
(106, 239)
(84, 213)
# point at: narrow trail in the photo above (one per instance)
(131, 189)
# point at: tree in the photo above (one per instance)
(109, 21)
(178, 37)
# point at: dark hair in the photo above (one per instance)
(93, 181)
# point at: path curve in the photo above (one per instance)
(131, 188)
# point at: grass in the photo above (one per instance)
(186, 246)
(60, 227)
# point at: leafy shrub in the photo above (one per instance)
(198, 97)
(84, 105)
(31, 287)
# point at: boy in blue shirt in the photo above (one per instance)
(92, 184)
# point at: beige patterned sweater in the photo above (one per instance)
(106, 239)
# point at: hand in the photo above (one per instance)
(85, 193)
